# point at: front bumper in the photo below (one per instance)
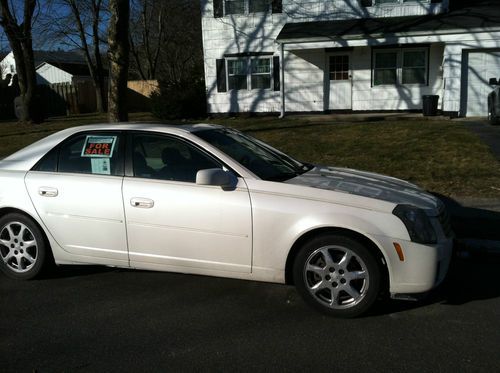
(424, 266)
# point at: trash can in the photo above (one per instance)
(430, 105)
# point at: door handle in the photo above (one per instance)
(142, 203)
(48, 192)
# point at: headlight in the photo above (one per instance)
(417, 223)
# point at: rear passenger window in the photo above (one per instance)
(97, 154)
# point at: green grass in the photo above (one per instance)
(441, 156)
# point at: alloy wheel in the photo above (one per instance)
(18, 247)
(336, 276)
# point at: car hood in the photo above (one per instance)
(369, 185)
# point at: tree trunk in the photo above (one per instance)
(118, 54)
(20, 40)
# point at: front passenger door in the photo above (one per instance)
(177, 225)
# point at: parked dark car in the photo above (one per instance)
(494, 102)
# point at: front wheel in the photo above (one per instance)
(337, 275)
(22, 247)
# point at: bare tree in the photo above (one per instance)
(146, 42)
(80, 24)
(159, 39)
(92, 53)
(21, 43)
(118, 53)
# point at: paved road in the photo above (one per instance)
(99, 319)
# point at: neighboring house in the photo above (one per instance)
(359, 55)
(52, 66)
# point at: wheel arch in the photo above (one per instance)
(292, 254)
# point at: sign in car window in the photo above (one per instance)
(100, 149)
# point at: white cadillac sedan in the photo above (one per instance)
(210, 200)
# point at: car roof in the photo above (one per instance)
(26, 158)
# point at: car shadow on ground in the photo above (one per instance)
(473, 273)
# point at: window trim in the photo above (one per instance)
(400, 50)
(246, 9)
(248, 65)
(57, 149)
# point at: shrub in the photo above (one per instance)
(180, 101)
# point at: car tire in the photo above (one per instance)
(337, 275)
(23, 248)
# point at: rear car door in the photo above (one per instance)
(77, 191)
(175, 224)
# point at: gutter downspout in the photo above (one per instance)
(282, 80)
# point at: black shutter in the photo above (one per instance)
(277, 6)
(218, 8)
(366, 2)
(276, 73)
(221, 75)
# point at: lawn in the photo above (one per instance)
(441, 156)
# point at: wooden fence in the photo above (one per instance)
(76, 98)
(67, 98)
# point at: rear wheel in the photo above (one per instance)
(22, 247)
(337, 275)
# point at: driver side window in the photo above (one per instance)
(167, 158)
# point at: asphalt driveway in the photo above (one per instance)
(104, 320)
(488, 133)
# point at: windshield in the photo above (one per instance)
(263, 160)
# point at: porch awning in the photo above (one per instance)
(477, 19)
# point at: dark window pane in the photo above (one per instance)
(388, 76)
(48, 163)
(261, 66)
(261, 81)
(386, 59)
(258, 6)
(238, 82)
(169, 159)
(237, 67)
(235, 6)
(97, 154)
(414, 76)
(414, 59)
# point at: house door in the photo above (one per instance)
(339, 83)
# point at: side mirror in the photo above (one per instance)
(217, 177)
(494, 81)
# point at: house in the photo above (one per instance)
(350, 55)
(52, 66)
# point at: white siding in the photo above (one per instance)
(8, 65)
(304, 80)
(305, 69)
(48, 74)
(482, 65)
(455, 68)
(401, 97)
